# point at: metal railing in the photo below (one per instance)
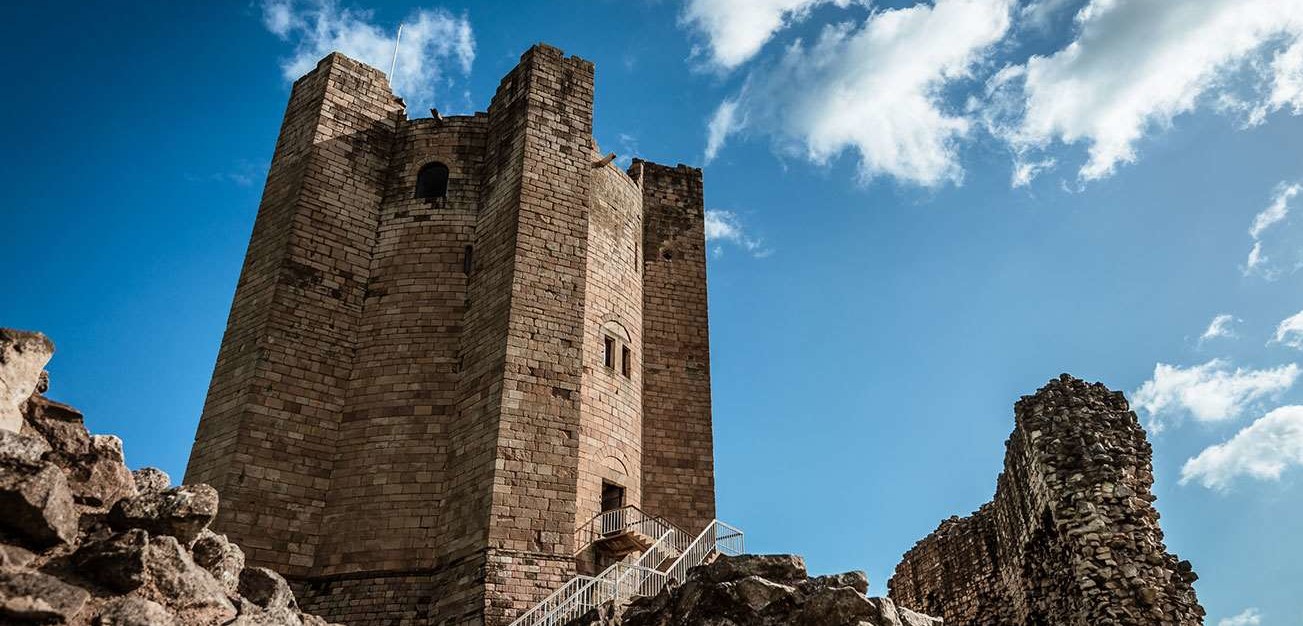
(624, 519)
(643, 577)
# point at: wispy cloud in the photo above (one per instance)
(1220, 326)
(725, 227)
(735, 30)
(1250, 617)
(434, 41)
(1135, 65)
(874, 89)
(722, 124)
(1290, 331)
(1211, 392)
(1262, 450)
(1278, 211)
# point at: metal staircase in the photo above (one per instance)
(667, 553)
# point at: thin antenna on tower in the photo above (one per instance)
(394, 63)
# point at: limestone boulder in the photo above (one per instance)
(37, 503)
(86, 542)
(759, 590)
(133, 611)
(267, 589)
(223, 559)
(156, 568)
(31, 597)
(23, 356)
(182, 512)
(151, 480)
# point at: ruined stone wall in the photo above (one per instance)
(1071, 537)
(678, 464)
(266, 439)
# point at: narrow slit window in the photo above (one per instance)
(468, 260)
(626, 361)
(608, 356)
(432, 181)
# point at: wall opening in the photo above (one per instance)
(608, 351)
(432, 181)
(612, 496)
(468, 260)
(626, 361)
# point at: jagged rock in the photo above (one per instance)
(62, 426)
(266, 588)
(157, 568)
(223, 559)
(151, 480)
(117, 562)
(106, 479)
(37, 503)
(782, 568)
(15, 556)
(856, 580)
(18, 448)
(28, 596)
(23, 356)
(132, 611)
(86, 542)
(887, 612)
(770, 590)
(254, 615)
(182, 512)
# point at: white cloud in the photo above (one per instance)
(1210, 392)
(1025, 171)
(725, 226)
(1275, 213)
(1290, 331)
(1263, 450)
(876, 89)
(722, 124)
(433, 43)
(1250, 617)
(737, 29)
(1220, 326)
(1137, 64)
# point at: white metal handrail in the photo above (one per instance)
(643, 577)
(624, 519)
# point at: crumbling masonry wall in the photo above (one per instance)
(1071, 537)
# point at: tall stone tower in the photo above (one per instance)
(455, 340)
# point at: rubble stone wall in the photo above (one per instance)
(1071, 537)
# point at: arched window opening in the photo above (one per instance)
(432, 181)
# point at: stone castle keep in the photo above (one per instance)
(454, 341)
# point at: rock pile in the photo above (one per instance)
(760, 590)
(84, 541)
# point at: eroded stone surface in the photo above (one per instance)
(61, 562)
(1071, 537)
(27, 596)
(182, 512)
(760, 590)
(23, 356)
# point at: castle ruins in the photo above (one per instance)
(1071, 537)
(454, 341)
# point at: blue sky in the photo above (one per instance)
(920, 211)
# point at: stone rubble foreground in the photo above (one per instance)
(85, 542)
(760, 590)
